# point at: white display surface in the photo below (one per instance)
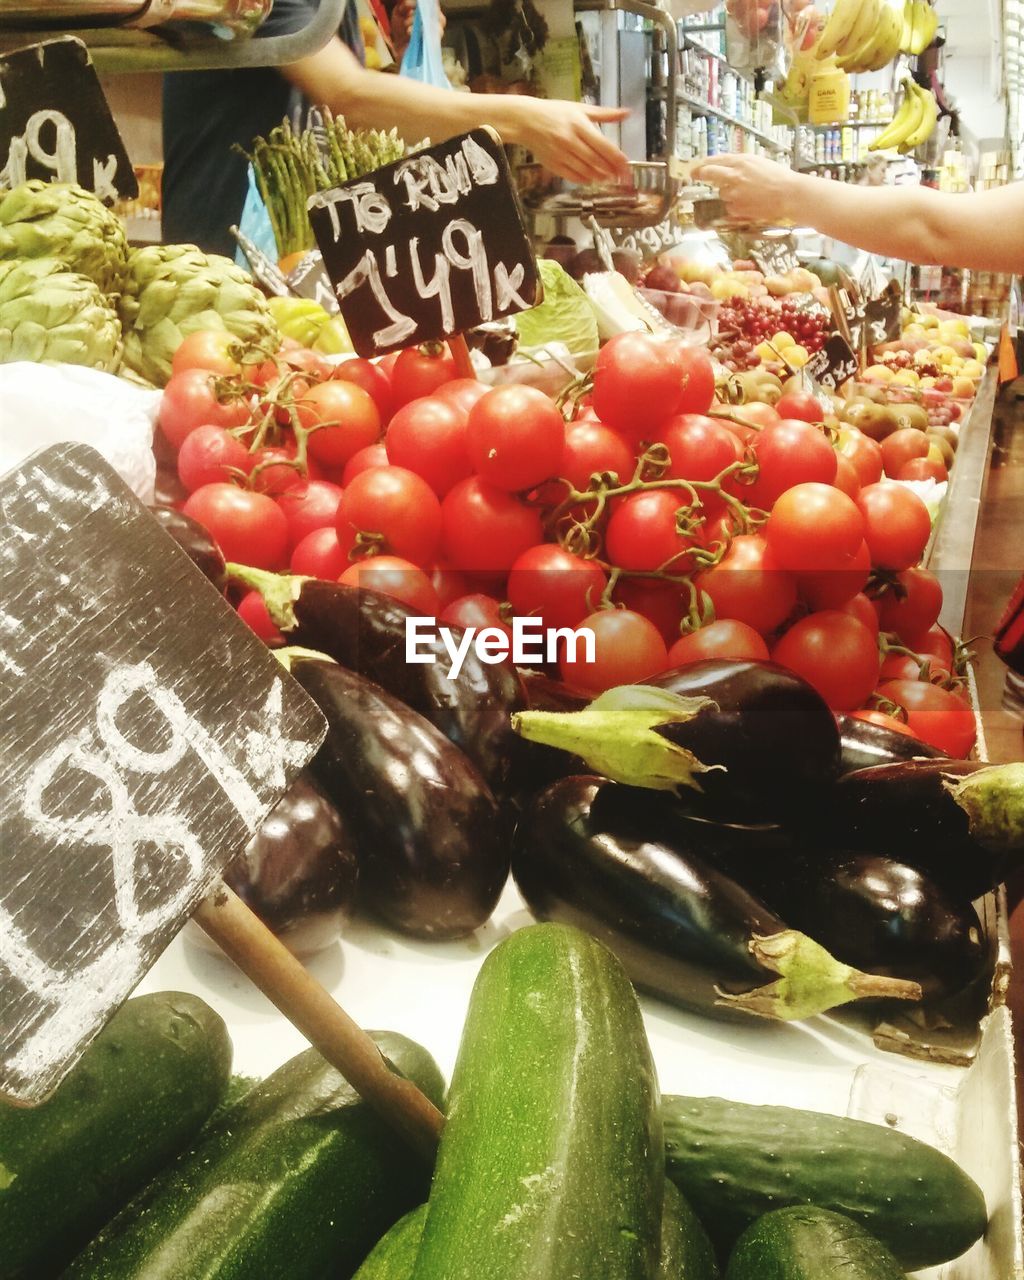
(391, 983)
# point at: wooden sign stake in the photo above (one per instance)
(345, 1045)
(460, 353)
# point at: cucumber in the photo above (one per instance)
(296, 1183)
(550, 1166)
(395, 1256)
(139, 1095)
(686, 1249)
(806, 1243)
(735, 1162)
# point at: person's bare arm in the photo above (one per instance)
(562, 135)
(984, 231)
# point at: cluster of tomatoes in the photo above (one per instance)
(671, 526)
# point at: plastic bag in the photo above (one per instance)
(42, 405)
(255, 224)
(423, 60)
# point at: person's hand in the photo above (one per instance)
(753, 188)
(565, 138)
(402, 16)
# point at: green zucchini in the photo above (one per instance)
(550, 1166)
(735, 1162)
(296, 1183)
(806, 1243)
(686, 1249)
(139, 1095)
(395, 1255)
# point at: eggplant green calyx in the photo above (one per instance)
(295, 652)
(993, 800)
(811, 981)
(279, 591)
(616, 736)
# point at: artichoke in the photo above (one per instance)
(60, 220)
(173, 290)
(51, 314)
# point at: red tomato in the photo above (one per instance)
(864, 453)
(833, 652)
(486, 529)
(419, 371)
(476, 610)
(886, 722)
(398, 505)
(273, 470)
(934, 715)
(896, 524)
(373, 380)
(252, 609)
(550, 583)
(209, 454)
(664, 603)
(923, 469)
(627, 648)
(345, 417)
(303, 360)
(462, 394)
(847, 478)
(756, 414)
(515, 437)
(642, 534)
(802, 405)
(813, 527)
(911, 605)
(790, 453)
(191, 400)
(249, 527)
(637, 384)
(308, 506)
(395, 577)
(933, 643)
(697, 377)
(900, 447)
(725, 638)
(899, 666)
(832, 588)
(861, 608)
(374, 455)
(591, 447)
(214, 350)
(699, 448)
(747, 585)
(320, 555)
(449, 584)
(428, 437)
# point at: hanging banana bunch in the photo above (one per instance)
(920, 23)
(863, 35)
(914, 122)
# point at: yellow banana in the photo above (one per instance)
(907, 33)
(905, 121)
(925, 127)
(925, 24)
(837, 29)
(862, 30)
(888, 46)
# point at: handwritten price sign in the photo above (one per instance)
(427, 247)
(145, 734)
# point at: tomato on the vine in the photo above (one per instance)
(515, 437)
(252, 609)
(395, 577)
(861, 608)
(749, 586)
(320, 555)
(341, 417)
(395, 504)
(886, 722)
(833, 588)
(312, 504)
(428, 436)
(663, 603)
(699, 448)
(897, 525)
(800, 404)
(813, 527)
(835, 653)
(209, 454)
(911, 603)
(590, 448)
(485, 529)
(725, 638)
(642, 534)
(864, 454)
(273, 470)
(374, 455)
(789, 453)
(373, 380)
(420, 371)
(475, 610)
(249, 527)
(627, 649)
(462, 393)
(449, 584)
(934, 715)
(933, 643)
(637, 384)
(551, 583)
(696, 372)
(191, 400)
(214, 350)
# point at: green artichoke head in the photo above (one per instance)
(51, 315)
(63, 221)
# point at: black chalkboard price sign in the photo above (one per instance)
(883, 318)
(834, 364)
(775, 257)
(427, 247)
(55, 123)
(145, 733)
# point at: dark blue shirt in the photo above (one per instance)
(206, 114)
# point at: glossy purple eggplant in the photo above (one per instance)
(864, 745)
(432, 858)
(193, 539)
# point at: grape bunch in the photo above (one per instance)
(744, 323)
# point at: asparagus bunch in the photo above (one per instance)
(290, 167)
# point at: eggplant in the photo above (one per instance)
(432, 860)
(877, 913)
(583, 854)
(193, 539)
(864, 745)
(299, 872)
(366, 632)
(960, 821)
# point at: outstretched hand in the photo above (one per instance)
(753, 188)
(565, 138)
